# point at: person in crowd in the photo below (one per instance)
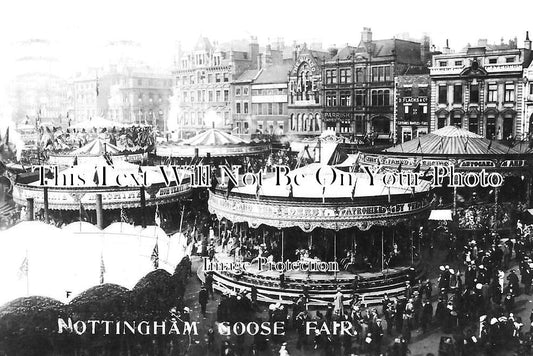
(203, 297)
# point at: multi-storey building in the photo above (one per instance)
(305, 104)
(125, 95)
(203, 79)
(242, 101)
(412, 104)
(528, 93)
(358, 85)
(481, 89)
(270, 100)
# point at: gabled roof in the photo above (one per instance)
(274, 74)
(203, 44)
(248, 76)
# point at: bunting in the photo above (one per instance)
(123, 217)
(23, 269)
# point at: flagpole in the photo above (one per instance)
(181, 219)
(27, 275)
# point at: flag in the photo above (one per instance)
(400, 167)
(23, 270)
(490, 145)
(291, 193)
(102, 268)
(353, 190)
(123, 217)
(388, 194)
(417, 168)
(412, 191)
(7, 137)
(323, 192)
(426, 172)
(441, 145)
(155, 256)
(257, 190)
(83, 213)
(157, 216)
(466, 144)
(108, 159)
(96, 179)
(419, 146)
(75, 163)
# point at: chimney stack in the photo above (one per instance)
(366, 34)
(527, 42)
(446, 49)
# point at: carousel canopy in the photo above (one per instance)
(96, 147)
(214, 137)
(214, 142)
(54, 261)
(451, 140)
(441, 215)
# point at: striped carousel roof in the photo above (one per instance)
(96, 147)
(451, 140)
(214, 137)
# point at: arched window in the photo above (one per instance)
(298, 118)
(305, 121)
(318, 123)
(292, 122)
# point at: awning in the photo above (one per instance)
(443, 215)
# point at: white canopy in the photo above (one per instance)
(70, 259)
(442, 215)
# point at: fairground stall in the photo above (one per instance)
(325, 218)
(473, 161)
(124, 191)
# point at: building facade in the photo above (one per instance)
(125, 95)
(359, 85)
(412, 106)
(203, 79)
(481, 89)
(305, 105)
(527, 80)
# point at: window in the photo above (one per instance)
(359, 124)
(246, 108)
(270, 109)
(443, 93)
(360, 98)
(492, 93)
(185, 97)
(226, 77)
(210, 78)
(493, 60)
(345, 75)
(422, 91)
(473, 124)
(509, 60)
(218, 95)
(509, 93)
(217, 77)
(345, 98)
(280, 109)
(238, 108)
(331, 76)
(443, 64)
(407, 92)
(531, 88)
(380, 97)
(457, 94)
(237, 91)
(245, 91)
(359, 75)
(226, 95)
(458, 63)
(331, 99)
(210, 96)
(381, 74)
(474, 93)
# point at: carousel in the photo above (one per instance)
(101, 185)
(464, 155)
(212, 143)
(92, 150)
(314, 230)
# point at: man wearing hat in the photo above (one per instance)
(203, 297)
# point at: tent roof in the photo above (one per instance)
(214, 137)
(309, 187)
(96, 147)
(451, 140)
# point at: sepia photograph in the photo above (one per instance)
(276, 178)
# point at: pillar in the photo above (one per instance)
(29, 209)
(143, 206)
(46, 210)
(99, 212)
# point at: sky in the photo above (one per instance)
(80, 28)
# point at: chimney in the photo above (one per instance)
(260, 60)
(527, 42)
(446, 49)
(254, 51)
(482, 42)
(366, 34)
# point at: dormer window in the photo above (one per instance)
(509, 60)
(443, 64)
(458, 63)
(493, 60)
